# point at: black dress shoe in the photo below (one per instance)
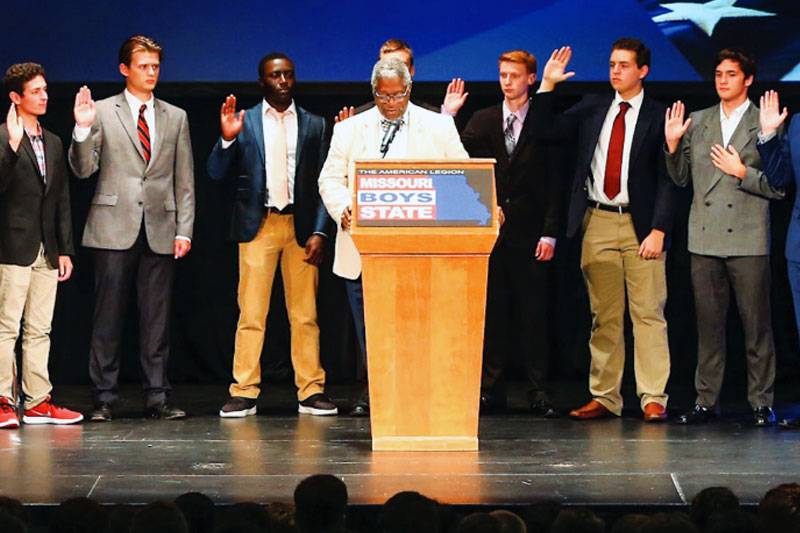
(164, 412)
(763, 417)
(697, 415)
(101, 412)
(360, 408)
(544, 409)
(790, 423)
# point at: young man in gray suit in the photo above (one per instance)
(140, 220)
(715, 149)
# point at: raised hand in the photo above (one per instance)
(728, 161)
(769, 113)
(344, 114)
(230, 122)
(555, 69)
(674, 125)
(16, 128)
(84, 111)
(455, 97)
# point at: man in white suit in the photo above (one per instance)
(393, 129)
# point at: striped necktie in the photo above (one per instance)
(144, 134)
(508, 133)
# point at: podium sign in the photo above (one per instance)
(424, 230)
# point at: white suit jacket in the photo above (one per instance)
(430, 136)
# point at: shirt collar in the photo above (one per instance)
(520, 113)
(736, 114)
(635, 102)
(265, 107)
(135, 103)
(37, 132)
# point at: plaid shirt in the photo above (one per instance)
(37, 142)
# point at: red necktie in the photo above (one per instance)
(144, 134)
(611, 182)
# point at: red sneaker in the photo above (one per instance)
(8, 414)
(49, 413)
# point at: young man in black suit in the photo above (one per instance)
(621, 201)
(35, 247)
(528, 193)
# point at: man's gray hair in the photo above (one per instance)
(390, 68)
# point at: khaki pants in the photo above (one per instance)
(275, 243)
(611, 265)
(27, 295)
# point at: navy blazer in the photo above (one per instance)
(245, 158)
(780, 161)
(650, 191)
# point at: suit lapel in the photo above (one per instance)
(745, 131)
(253, 120)
(160, 118)
(643, 122)
(126, 120)
(497, 136)
(713, 135)
(50, 160)
(302, 134)
(28, 149)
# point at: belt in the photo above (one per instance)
(610, 208)
(288, 210)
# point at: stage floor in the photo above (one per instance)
(521, 458)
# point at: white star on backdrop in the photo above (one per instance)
(706, 15)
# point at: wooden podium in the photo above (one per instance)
(424, 230)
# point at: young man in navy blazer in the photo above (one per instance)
(621, 203)
(277, 149)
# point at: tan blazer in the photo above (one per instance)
(728, 217)
(430, 136)
(161, 192)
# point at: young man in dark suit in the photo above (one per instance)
(35, 247)
(278, 148)
(528, 194)
(621, 202)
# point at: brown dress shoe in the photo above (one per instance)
(593, 409)
(655, 412)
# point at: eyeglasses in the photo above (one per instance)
(386, 98)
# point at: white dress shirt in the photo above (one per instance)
(595, 186)
(730, 123)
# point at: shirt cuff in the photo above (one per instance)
(323, 235)
(548, 240)
(765, 138)
(182, 238)
(80, 134)
(227, 144)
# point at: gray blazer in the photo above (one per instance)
(161, 192)
(728, 217)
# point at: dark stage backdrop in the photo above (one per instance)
(205, 311)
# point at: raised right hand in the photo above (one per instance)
(84, 111)
(16, 128)
(674, 125)
(344, 114)
(554, 70)
(230, 122)
(769, 113)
